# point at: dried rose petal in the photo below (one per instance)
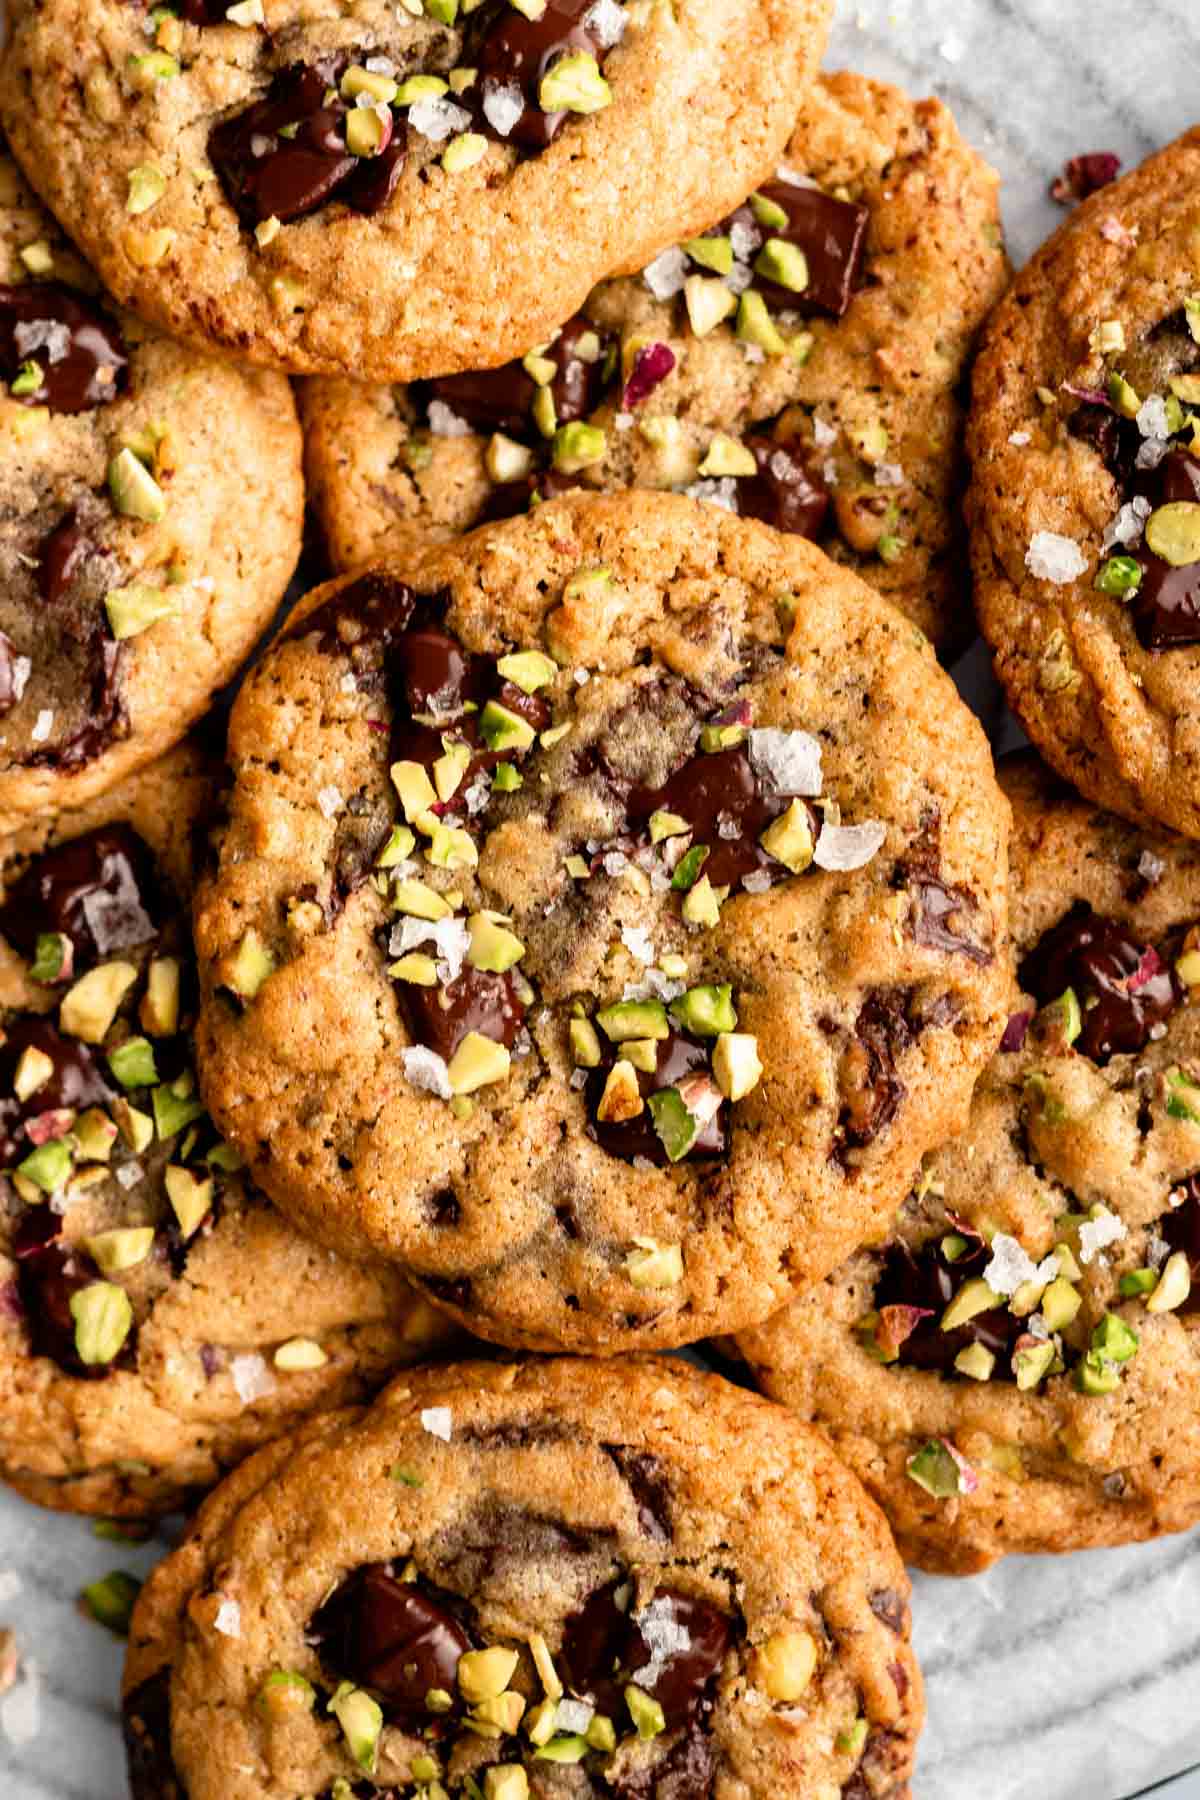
(897, 1324)
(49, 1125)
(1015, 1030)
(1091, 396)
(1083, 175)
(652, 364)
(1149, 966)
(968, 1480)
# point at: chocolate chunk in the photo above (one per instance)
(1166, 606)
(891, 1608)
(78, 349)
(1114, 439)
(925, 1279)
(677, 1055)
(61, 554)
(107, 715)
(646, 1479)
(512, 51)
(832, 234)
(49, 1273)
(502, 399)
(944, 916)
(871, 1086)
(146, 1726)
(441, 1017)
(100, 891)
(75, 1081)
(1181, 1229)
(686, 1772)
(453, 1290)
(727, 808)
(14, 674)
(1124, 990)
(265, 175)
(787, 492)
(604, 1646)
(392, 1636)
(362, 622)
(1083, 175)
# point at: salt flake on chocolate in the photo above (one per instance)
(426, 1070)
(666, 275)
(606, 22)
(1152, 419)
(1053, 557)
(502, 107)
(841, 847)
(790, 760)
(1011, 1267)
(437, 119)
(664, 1638)
(1126, 528)
(451, 938)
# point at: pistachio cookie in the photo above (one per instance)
(150, 510)
(388, 192)
(1017, 1366)
(797, 363)
(1085, 496)
(159, 1318)
(632, 1581)
(611, 914)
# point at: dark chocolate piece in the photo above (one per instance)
(926, 1279)
(393, 1637)
(78, 349)
(1124, 990)
(678, 1055)
(99, 890)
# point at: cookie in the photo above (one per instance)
(1016, 1368)
(150, 511)
(373, 191)
(611, 914)
(159, 1318)
(1085, 494)
(630, 1580)
(827, 407)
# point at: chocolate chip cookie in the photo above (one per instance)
(158, 1318)
(1016, 1366)
(798, 362)
(150, 509)
(1085, 496)
(612, 913)
(633, 1580)
(389, 191)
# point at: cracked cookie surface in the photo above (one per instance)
(1014, 1367)
(1084, 505)
(221, 178)
(150, 511)
(158, 1318)
(849, 382)
(611, 914)
(515, 1536)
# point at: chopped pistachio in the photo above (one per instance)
(251, 964)
(1173, 532)
(285, 1693)
(418, 900)
(543, 1662)
(770, 215)
(973, 1297)
(714, 253)
(709, 303)
(420, 87)
(1060, 1303)
(574, 84)
(645, 1711)
(420, 970)
(578, 446)
(702, 903)
(1174, 1284)
(190, 1195)
(676, 1126)
(134, 491)
(175, 1111)
(358, 80)
(789, 838)
(503, 730)
(1119, 576)
(736, 1066)
(50, 961)
(463, 152)
(528, 669)
(756, 326)
(976, 1361)
(299, 1355)
(477, 1063)
(115, 1251)
(147, 185)
(110, 1601)
(784, 263)
(33, 1071)
(361, 1720)
(653, 1265)
(414, 788)
(725, 456)
(49, 1165)
(1031, 1364)
(570, 1749)
(90, 1005)
(485, 1674)
(706, 1011)
(687, 870)
(103, 1320)
(133, 1063)
(934, 1469)
(634, 1019)
(159, 1010)
(95, 1134)
(585, 1044)
(784, 1666)
(621, 1099)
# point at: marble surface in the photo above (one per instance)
(1075, 1676)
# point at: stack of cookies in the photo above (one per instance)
(594, 925)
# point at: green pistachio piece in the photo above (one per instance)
(420, 87)
(365, 132)
(477, 1063)
(27, 380)
(417, 900)
(1066, 1015)
(850, 1743)
(539, 368)
(934, 1469)
(358, 80)
(398, 848)
(173, 1111)
(90, 1004)
(687, 869)
(706, 1011)
(1137, 1283)
(1119, 576)
(506, 779)
(702, 904)
(634, 1019)
(1094, 1376)
(953, 1246)
(769, 214)
(285, 1693)
(413, 787)
(586, 1048)
(621, 1099)
(725, 456)
(464, 151)
(578, 446)
(676, 1127)
(1031, 1365)
(665, 825)
(444, 11)
(601, 1734)
(1173, 532)
(133, 1063)
(95, 1134)
(493, 947)
(544, 415)
(252, 963)
(642, 1053)
(645, 1712)
(976, 1362)
(1124, 397)
(103, 1320)
(155, 66)
(756, 326)
(570, 1749)
(714, 253)
(574, 84)
(49, 957)
(49, 1166)
(190, 1195)
(110, 1601)
(789, 838)
(450, 767)
(709, 303)
(115, 1251)
(134, 491)
(1174, 1284)
(528, 669)
(736, 1066)
(147, 185)
(973, 1297)
(1114, 1340)
(503, 730)
(421, 971)
(784, 263)
(1183, 1096)
(361, 1720)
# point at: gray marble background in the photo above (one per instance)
(1076, 1677)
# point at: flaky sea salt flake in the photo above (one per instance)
(1053, 557)
(426, 1070)
(252, 1378)
(790, 760)
(841, 847)
(438, 1421)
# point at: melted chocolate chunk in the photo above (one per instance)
(74, 1083)
(49, 1273)
(108, 716)
(99, 890)
(61, 554)
(79, 351)
(945, 916)
(441, 1017)
(925, 1278)
(265, 175)
(891, 1608)
(871, 1087)
(787, 492)
(832, 234)
(1166, 607)
(1123, 989)
(678, 1055)
(686, 1772)
(512, 51)
(146, 1726)
(393, 1637)
(1181, 1229)
(362, 622)
(604, 1647)
(502, 399)
(646, 1479)
(711, 792)
(1083, 175)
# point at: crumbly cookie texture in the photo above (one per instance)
(160, 1320)
(611, 914)
(1085, 495)
(508, 161)
(1015, 1367)
(616, 1580)
(830, 407)
(150, 513)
